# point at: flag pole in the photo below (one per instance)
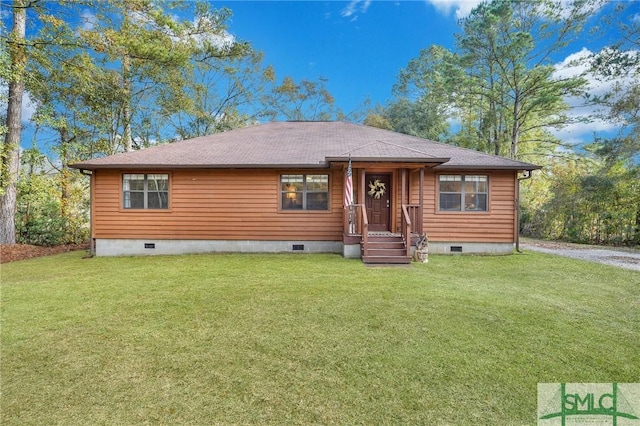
(348, 196)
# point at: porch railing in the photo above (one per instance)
(365, 230)
(356, 216)
(414, 213)
(405, 228)
(354, 220)
(356, 224)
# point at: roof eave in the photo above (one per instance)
(84, 166)
(519, 167)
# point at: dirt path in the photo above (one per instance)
(623, 258)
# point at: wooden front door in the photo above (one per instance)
(378, 201)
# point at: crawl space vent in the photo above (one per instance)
(455, 249)
(150, 245)
(298, 247)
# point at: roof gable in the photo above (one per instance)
(301, 145)
(381, 150)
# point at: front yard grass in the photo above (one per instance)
(302, 339)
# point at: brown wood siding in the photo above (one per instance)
(496, 225)
(244, 205)
(217, 205)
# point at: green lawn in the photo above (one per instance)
(300, 339)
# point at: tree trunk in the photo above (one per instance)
(515, 132)
(11, 147)
(636, 236)
(126, 111)
(65, 173)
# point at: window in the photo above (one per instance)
(145, 191)
(464, 193)
(304, 192)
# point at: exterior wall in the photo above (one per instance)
(497, 225)
(238, 210)
(216, 205)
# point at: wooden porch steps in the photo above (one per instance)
(385, 249)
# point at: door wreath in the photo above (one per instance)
(377, 189)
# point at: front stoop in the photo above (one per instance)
(385, 249)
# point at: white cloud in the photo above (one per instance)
(566, 6)
(462, 8)
(202, 31)
(354, 7)
(28, 107)
(580, 133)
(220, 41)
(586, 126)
(567, 67)
(87, 20)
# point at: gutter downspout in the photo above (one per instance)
(526, 175)
(92, 248)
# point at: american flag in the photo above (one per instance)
(348, 187)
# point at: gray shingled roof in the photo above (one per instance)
(301, 145)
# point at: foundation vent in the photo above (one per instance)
(298, 247)
(150, 245)
(455, 249)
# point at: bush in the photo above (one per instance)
(40, 218)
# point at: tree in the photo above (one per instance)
(424, 94)
(377, 119)
(42, 217)
(171, 70)
(420, 118)
(506, 48)
(221, 91)
(111, 85)
(140, 43)
(621, 153)
(306, 100)
(500, 85)
(16, 46)
(48, 34)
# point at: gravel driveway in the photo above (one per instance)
(623, 258)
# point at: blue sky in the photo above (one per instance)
(361, 45)
(358, 46)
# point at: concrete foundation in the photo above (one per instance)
(135, 247)
(470, 248)
(351, 251)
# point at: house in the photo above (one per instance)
(280, 187)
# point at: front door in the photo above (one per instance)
(378, 188)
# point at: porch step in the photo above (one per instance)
(386, 260)
(383, 249)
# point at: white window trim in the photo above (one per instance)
(463, 193)
(146, 191)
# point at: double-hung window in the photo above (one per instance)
(304, 192)
(145, 191)
(464, 193)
